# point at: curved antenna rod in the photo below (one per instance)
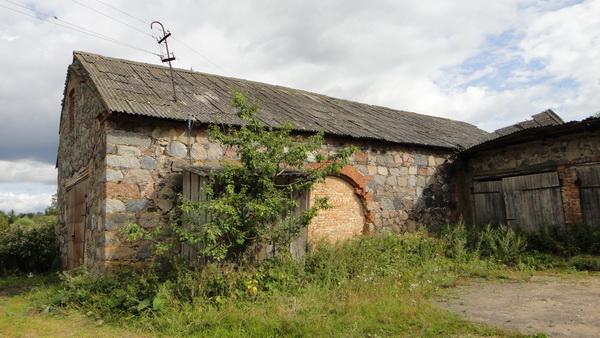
(170, 57)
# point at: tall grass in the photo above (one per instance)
(368, 286)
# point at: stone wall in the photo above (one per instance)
(562, 153)
(398, 186)
(80, 155)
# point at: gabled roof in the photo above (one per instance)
(145, 89)
(545, 118)
(591, 124)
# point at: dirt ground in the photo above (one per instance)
(558, 306)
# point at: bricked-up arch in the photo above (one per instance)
(348, 215)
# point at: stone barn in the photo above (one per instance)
(537, 173)
(124, 149)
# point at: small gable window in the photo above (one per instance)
(71, 109)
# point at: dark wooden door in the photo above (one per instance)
(589, 178)
(532, 201)
(488, 203)
(76, 217)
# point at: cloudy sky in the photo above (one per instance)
(490, 63)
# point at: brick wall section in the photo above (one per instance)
(398, 186)
(346, 217)
(570, 194)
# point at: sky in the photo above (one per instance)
(490, 63)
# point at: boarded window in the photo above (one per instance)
(489, 202)
(76, 216)
(589, 178)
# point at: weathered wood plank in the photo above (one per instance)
(533, 201)
(589, 176)
(533, 181)
(487, 186)
(186, 185)
(590, 205)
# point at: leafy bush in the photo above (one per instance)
(585, 263)
(250, 202)
(500, 243)
(412, 261)
(29, 246)
(566, 241)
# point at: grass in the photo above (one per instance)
(378, 309)
(18, 318)
(373, 286)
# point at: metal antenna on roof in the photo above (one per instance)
(170, 56)
(189, 137)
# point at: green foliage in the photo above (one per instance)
(498, 242)
(566, 241)
(29, 245)
(3, 220)
(413, 262)
(24, 222)
(250, 202)
(502, 243)
(585, 263)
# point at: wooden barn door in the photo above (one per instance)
(76, 216)
(589, 178)
(489, 203)
(533, 200)
(194, 189)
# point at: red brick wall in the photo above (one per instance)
(569, 191)
(345, 219)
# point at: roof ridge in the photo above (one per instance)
(141, 88)
(268, 84)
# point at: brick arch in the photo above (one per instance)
(359, 181)
(349, 195)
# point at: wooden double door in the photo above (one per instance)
(525, 202)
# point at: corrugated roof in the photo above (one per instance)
(145, 89)
(545, 118)
(534, 133)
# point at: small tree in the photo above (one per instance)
(249, 202)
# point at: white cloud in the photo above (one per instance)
(27, 171)
(386, 52)
(24, 202)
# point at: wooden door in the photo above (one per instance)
(533, 201)
(589, 178)
(194, 189)
(76, 217)
(299, 245)
(488, 203)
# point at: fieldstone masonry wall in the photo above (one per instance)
(562, 153)
(80, 155)
(398, 186)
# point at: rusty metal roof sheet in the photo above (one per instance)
(145, 89)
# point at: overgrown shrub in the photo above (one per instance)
(250, 203)
(569, 240)
(501, 243)
(585, 263)
(411, 261)
(498, 242)
(29, 246)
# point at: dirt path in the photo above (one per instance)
(556, 306)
